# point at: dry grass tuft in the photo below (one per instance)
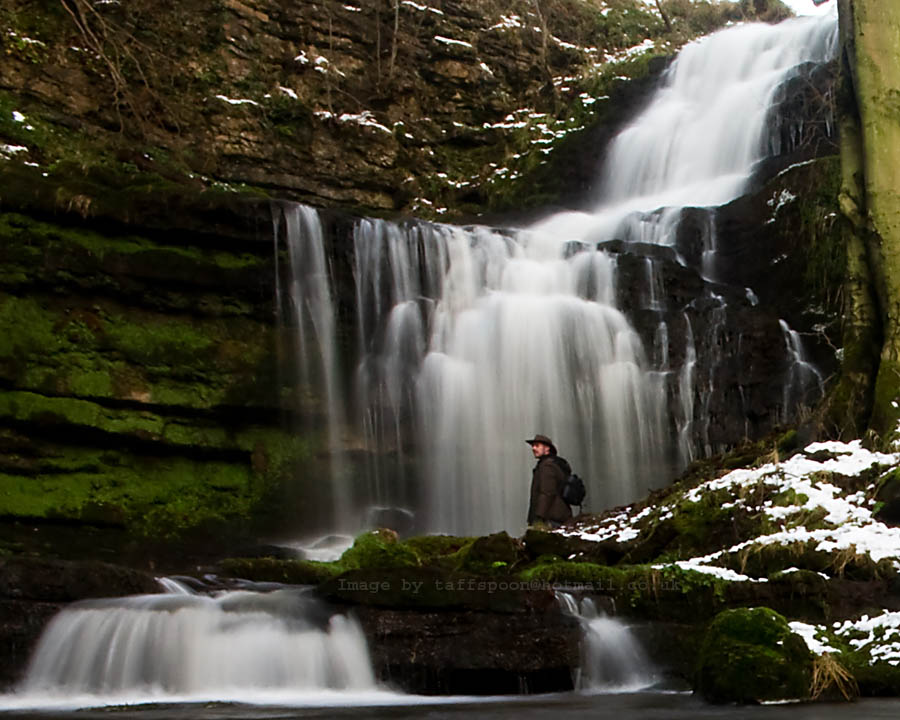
(828, 673)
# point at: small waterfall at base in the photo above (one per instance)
(612, 660)
(243, 646)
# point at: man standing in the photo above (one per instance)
(547, 481)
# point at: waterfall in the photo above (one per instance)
(697, 143)
(313, 314)
(612, 659)
(804, 385)
(489, 336)
(472, 339)
(243, 646)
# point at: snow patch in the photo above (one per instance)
(421, 8)
(808, 633)
(236, 101)
(451, 41)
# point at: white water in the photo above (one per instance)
(612, 660)
(697, 143)
(314, 316)
(472, 339)
(183, 647)
(488, 339)
(805, 385)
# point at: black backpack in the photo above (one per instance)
(573, 490)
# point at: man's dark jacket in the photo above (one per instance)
(546, 485)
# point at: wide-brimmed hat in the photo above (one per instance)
(543, 439)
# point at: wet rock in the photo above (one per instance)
(437, 589)
(492, 553)
(48, 580)
(472, 652)
(21, 624)
(32, 590)
(277, 570)
(750, 655)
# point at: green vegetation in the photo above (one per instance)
(119, 390)
(751, 655)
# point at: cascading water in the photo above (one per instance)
(612, 660)
(516, 337)
(804, 385)
(472, 339)
(312, 313)
(241, 646)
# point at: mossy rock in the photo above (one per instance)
(750, 655)
(879, 679)
(51, 580)
(491, 554)
(766, 560)
(541, 542)
(887, 498)
(268, 569)
(416, 588)
(552, 569)
(379, 549)
(439, 551)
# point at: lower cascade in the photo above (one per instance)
(612, 659)
(239, 645)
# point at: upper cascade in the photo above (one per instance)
(698, 141)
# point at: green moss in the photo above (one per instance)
(750, 655)
(378, 549)
(885, 413)
(142, 356)
(157, 497)
(295, 572)
(26, 407)
(49, 237)
(491, 554)
(788, 442)
(698, 525)
(439, 551)
(552, 570)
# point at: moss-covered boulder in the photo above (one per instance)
(491, 554)
(270, 569)
(750, 655)
(379, 549)
(439, 551)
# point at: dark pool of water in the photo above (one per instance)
(636, 706)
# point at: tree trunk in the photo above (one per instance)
(664, 16)
(870, 197)
(849, 406)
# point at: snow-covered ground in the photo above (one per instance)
(799, 490)
(822, 498)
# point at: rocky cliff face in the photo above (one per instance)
(380, 106)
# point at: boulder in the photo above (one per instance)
(750, 655)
